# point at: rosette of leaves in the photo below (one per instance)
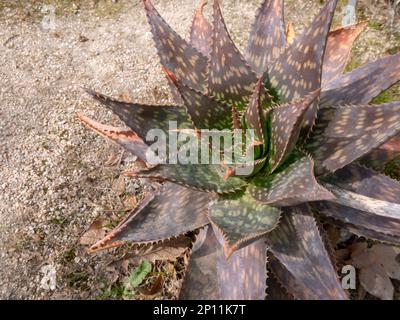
(317, 140)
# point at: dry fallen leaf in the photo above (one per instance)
(377, 265)
(157, 285)
(95, 232)
(125, 96)
(118, 185)
(167, 250)
(112, 160)
(130, 202)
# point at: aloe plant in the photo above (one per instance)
(317, 142)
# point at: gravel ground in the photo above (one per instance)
(56, 177)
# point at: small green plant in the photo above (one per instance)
(139, 274)
(313, 127)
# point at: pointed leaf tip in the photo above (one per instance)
(201, 31)
(298, 246)
(338, 51)
(242, 221)
(188, 64)
(298, 69)
(292, 186)
(204, 110)
(255, 118)
(143, 118)
(211, 276)
(290, 33)
(343, 134)
(361, 85)
(124, 137)
(286, 124)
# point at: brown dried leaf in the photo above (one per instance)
(130, 202)
(165, 251)
(118, 185)
(112, 160)
(95, 232)
(157, 285)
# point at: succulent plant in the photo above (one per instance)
(317, 142)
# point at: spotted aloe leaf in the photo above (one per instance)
(293, 185)
(286, 123)
(375, 224)
(363, 84)
(243, 275)
(122, 136)
(201, 31)
(298, 69)
(201, 177)
(230, 77)
(201, 279)
(158, 218)
(381, 156)
(242, 221)
(211, 276)
(213, 85)
(255, 118)
(267, 38)
(298, 246)
(338, 51)
(344, 134)
(205, 111)
(188, 64)
(143, 118)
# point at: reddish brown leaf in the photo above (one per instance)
(122, 136)
(201, 31)
(363, 84)
(297, 71)
(298, 246)
(255, 118)
(379, 157)
(143, 118)
(338, 50)
(158, 218)
(211, 276)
